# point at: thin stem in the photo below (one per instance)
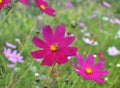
(52, 68)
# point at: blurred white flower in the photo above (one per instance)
(118, 65)
(117, 34)
(113, 51)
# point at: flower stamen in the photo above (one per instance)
(42, 7)
(88, 71)
(53, 48)
(1, 1)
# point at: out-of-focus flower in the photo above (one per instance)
(18, 41)
(118, 65)
(82, 24)
(43, 5)
(117, 21)
(113, 51)
(4, 3)
(90, 42)
(100, 54)
(55, 47)
(117, 34)
(106, 4)
(25, 2)
(13, 56)
(88, 70)
(93, 15)
(10, 45)
(68, 5)
(11, 66)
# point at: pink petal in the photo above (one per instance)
(10, 45)
(48, 60)
(41, 2)
(80, 60)
(47, 34)
(67, 41)
(98, 66)
(101, 73)
(26, 2)
(90, 60)
(99, 80)
(60, 58)
(39, 43)
(69, 51)
(75, 66)
(59, 33)
(40, 53)
(50, 11)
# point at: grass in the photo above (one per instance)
(25, 23)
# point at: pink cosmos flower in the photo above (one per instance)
(93, 15)
(43, 5)
(13, 56)
(3, 3)
(117, 21)
(68, 5)
(55, 47)
(89, 70)
(113, 51)
(106, 4)
(26, 2)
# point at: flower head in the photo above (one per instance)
(43, 5)
(106, 4)
(3, 3)
(113, 51)
(88, 70)
(68, 5)
(55, 47)
(13, 56)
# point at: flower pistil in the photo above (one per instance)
(88, 70)
(42, 7)
(53, 47)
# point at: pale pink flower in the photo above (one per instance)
(113, 51)
(106, 4)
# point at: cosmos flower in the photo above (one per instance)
(106, 4)
(4, 3)
(26, 2)
(117, 21)
(68, 5)
(43, 5)
(88, 70)
(93, 15)
(55, 47)
(113, 51)
(13, 56)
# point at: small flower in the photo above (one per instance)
(4, 3)
(68, 5)
(25, 2)
(106, 4)
(117, 21)
(88, 70)
(113, 51)
(93, 15)
(10, 45)
(55, 47)
(118, 65)
(13, 56)
(43, 5)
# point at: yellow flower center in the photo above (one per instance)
(42, 7)
(1, 1)
(88, 70)
(53, 47)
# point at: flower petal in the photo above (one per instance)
(80, 60)
(48, 60)
(99, 80)
(98, 66)
(90, 60)
(67, 41)
(101, 73)
(40, 43)
(77, 68)
(50, 11)
(59, 33)
(60, 58)
(40, 53)
(69, 51)
(41, 2)
(47, 34)
(26, 2)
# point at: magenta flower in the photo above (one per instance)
(88, 70)
(55, 47)
(3, 3)
(26, 2)
(13, 56)
(43, 5)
